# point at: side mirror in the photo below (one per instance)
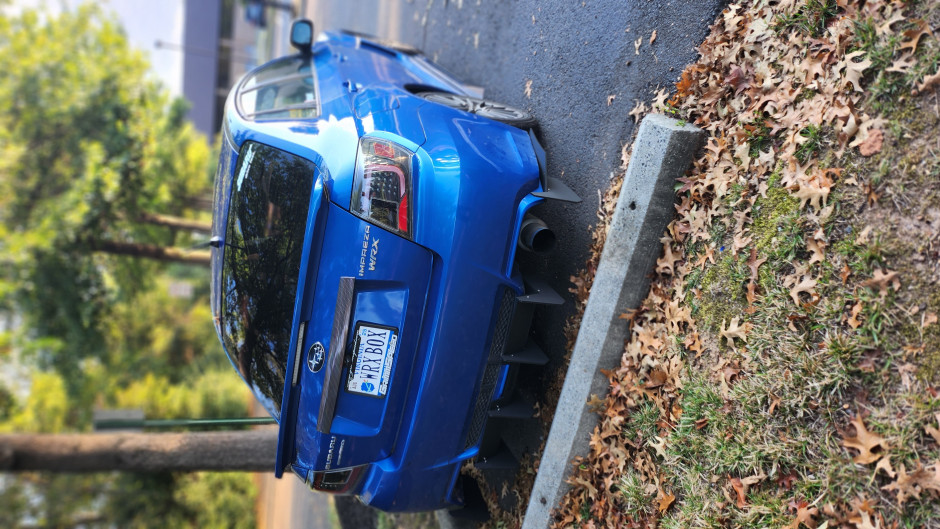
(301, 35)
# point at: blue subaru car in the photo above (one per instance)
(368, 213)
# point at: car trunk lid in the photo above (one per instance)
(362, 320)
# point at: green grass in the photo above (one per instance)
(813, 135)
(637, 500)
(811, 19)
(759, 138)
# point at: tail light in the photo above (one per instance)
(382, 187)
(341, 481)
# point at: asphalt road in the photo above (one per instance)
(578, 65)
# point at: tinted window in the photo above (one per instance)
(261, 265)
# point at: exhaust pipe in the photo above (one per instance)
(535, 235)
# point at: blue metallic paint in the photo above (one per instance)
(472, 183)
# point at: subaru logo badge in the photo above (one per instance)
(315, 357)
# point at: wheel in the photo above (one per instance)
(489, 109)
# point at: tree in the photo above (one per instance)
(246, 450)
(95, 160)
(94, 157)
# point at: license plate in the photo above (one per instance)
(373, 356)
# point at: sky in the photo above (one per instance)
(145, 22)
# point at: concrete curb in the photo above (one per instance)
(663, 151)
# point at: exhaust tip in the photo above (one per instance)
(536, 236)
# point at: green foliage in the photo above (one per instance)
(175, 333)
(45, 410)
(217, 499)
(197, 500)
(88, 141)
(145, 500)
(212, 395)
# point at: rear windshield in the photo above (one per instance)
(261, 265)
(285, 89)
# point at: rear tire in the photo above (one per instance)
(509, 115)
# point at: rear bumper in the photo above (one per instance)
(451, 404)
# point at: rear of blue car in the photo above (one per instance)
(363, 267)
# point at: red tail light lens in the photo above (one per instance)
(382, 186)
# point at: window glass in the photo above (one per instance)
(261, 265)
(285, 89)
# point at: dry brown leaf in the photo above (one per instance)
(653, 37)
(806, 285)
(738, 80)
(911, 485)
(740, 242)
(903, 64)
(630, 315)
(693, 343)
(753, 480)
(814, 191)
(882, 280)
(872, 144)
(853, 319)
(817, 247)
(885, 465)
(928, 82)
(854, 70)
(730, 374)
(753, 263)
(934, 432)
(528, 89)
(928, 319)
(665, 499)
(870, 446)
(595, 403)
(740, 491)
(751, 294)
(736, 330)
(893, 18)
(666, 263)
(864, 521)
(638, 110)
(914, 34)
(845, 274)
(805, 515)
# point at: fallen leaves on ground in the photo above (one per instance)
(870, 446)
(783, 108)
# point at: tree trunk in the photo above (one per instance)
(245, 450)
(204, 203)
(150, 251)
(177, 223)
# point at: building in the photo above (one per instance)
(220, 44)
